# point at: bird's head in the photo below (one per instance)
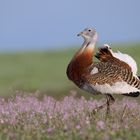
(89, 34)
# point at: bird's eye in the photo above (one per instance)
(89, 30)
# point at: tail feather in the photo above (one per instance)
(132, 94)
(104, 53)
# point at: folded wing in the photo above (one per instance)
(128, 68)
(106, 53)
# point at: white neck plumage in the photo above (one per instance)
(89, 44)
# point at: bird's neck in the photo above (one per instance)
(85, 54)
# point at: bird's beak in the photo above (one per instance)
(80, 34)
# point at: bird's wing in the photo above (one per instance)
(106, 77)
(106, 54)
(111, 75)
(127, 59)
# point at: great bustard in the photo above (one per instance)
(115, 73)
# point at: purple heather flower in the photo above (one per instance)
(100, 125)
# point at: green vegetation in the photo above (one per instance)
(43, 71)
(31, 71)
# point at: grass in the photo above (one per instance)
(43, 71)
(33, 71)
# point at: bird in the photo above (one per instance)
(113, 73)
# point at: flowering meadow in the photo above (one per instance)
(31, 117)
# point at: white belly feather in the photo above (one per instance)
(116, 88)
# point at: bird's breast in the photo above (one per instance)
(78, 66)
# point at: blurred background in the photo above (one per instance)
(38, 39)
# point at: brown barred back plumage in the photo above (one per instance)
(112, 70)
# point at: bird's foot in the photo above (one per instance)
(97, 109)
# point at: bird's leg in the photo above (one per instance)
(110, 101)
(99, 108)
(108, 104)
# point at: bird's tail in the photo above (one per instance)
(104, 53)
(133, 94)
